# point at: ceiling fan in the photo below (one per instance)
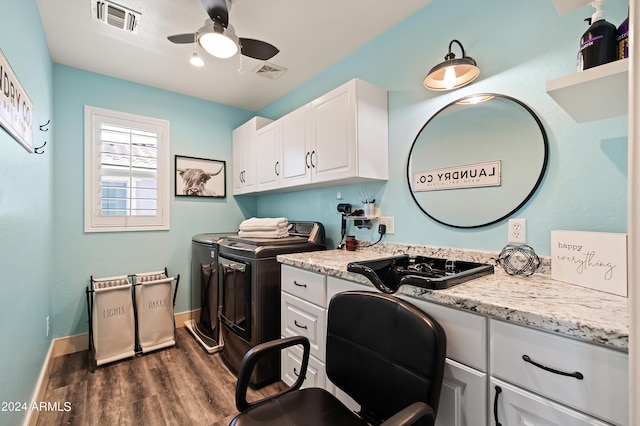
(219, 39)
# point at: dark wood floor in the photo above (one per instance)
(175, 386)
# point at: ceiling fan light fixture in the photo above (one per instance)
(196, 60)
(221, 44)
(452, 73)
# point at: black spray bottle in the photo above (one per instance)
(598, 43)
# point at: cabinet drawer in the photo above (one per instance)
(603, 390)
(301, 318)
(307, 285)
(466, 332)
(515, 406)
(291, 361)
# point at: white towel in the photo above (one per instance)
(265, 224)
(264, 234)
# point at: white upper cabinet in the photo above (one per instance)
(244, 155)
(349, 140)
(341, 137)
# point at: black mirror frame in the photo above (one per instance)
(533, 189)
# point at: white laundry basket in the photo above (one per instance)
(112, 322)
(154, 307)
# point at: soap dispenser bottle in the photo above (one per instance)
(598, 43)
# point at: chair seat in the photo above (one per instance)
(311, 406)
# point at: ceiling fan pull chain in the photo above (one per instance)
(240, 70)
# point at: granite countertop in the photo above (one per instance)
(536, 301)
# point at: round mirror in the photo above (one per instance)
(477, 160)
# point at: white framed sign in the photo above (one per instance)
(16, 109)
(596, 260)
(467, 176)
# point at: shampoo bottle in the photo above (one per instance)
(622, 40)
(598, 43)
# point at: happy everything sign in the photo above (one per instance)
(596, 260)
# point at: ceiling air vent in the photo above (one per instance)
(269, 70)
(116, 15)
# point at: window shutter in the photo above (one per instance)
(127, 172)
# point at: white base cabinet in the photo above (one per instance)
(588, 378)
(482, 355)
(303, 313)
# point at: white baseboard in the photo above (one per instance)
(41, 386)
(72, 344)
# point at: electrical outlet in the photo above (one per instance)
(389, 222)
(47, 326)
(517, 230)
(339, 196)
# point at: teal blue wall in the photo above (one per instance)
(46, 258)
(518, 47)
(26, 214)
(198, 129)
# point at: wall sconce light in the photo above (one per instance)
(452, 73)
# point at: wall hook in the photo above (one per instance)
(36, 150)
(42, 128)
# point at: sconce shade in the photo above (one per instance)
(452, 73)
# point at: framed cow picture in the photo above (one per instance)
(200, 177)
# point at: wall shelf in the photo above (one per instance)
(593, 94)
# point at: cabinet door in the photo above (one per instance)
(250, 145)
(268, 164)
(238, 159)
(333, 154)
(296, 147)
(512, 406)
(463, 401)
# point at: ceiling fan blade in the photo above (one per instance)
(182, 38)
(217, 11)
(257, 49)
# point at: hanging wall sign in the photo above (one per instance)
(596, 260)
(467, 176)
(16, 109)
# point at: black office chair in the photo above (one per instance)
(382, 351)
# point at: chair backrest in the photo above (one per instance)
(384, 352)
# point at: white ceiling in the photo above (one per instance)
(311, 36)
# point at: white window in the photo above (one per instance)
(126, 169)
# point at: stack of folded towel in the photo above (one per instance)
(266, 227)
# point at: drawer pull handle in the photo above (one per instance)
(296, 283)
(298, 325)
(578, 375)
(495, 406)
